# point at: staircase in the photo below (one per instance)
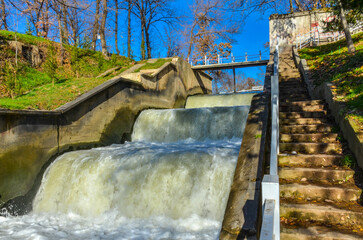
(319, 198)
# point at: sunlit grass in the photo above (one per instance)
(333, 63)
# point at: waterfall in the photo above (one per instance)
(171, 182)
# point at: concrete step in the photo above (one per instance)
(316, 233)
(301, 108)
(316, 114)
(291, 82)
(294, 97)
(311, 192)
(311, 148)
(328, 215)
(304, 103)
(309, 137)
(303, 121)
(315, 174)
(291, 91)
(308, 160)
(316, 128)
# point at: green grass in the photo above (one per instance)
(160, 62)
(25, 87)
(332, 63)
(24, 38)
(48, 97)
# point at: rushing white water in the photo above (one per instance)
(171, 182)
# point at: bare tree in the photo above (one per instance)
(116, 27)
(348, 37)
(210, 30)
(130, 4)
(3, 15)
(102, 28)
(96, 25)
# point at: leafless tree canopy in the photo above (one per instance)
(207, 29)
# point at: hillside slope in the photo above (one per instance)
(34, 75)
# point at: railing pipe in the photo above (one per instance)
(270, 228)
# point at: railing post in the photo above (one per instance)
(205, 60)
(260, 56)
(246, 56)
(271, 191)
(218, 58)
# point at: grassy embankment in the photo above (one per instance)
(332, 63)
(52, 84)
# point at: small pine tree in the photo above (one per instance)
(50, 64)
(29, 28)
(75, 60)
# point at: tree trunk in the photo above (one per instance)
(315, 4)
(45, 16)
(116, 27)
(323, 3)
(191, 39)
(59, 18)
(348, 37)
(65, 26)
(142, 18)
(102, 29)
(129, 29)
(96, 25)
(148, 46)
(3, 15)
(298, 4)
(291, 7)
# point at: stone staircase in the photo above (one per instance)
(319, 197)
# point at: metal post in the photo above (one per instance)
(260, 55)
(234, 80)
(205, 59)
(246, 56)
(218, 58)
(232, 58)
(271, 191)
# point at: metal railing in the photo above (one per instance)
(315, 37)
(229, 59)
(270, 228)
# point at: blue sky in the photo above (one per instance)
(254, 33)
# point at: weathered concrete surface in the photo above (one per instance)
(235, 99)
(286, 27)
(352, 134)
(102, 116)
(242, 211)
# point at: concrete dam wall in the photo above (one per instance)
(103, 116)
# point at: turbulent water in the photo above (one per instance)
(171, 182)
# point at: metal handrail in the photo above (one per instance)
(270, 228)
(304, 40)
(230, 59)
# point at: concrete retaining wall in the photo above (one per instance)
(102, 116)
(351, 133)
(241, 219)
(286, 27)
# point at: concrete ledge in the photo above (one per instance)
(241, 217)
(324, 91)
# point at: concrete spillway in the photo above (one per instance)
(227, 100)
(171, 182)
